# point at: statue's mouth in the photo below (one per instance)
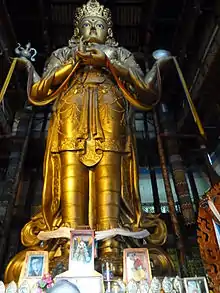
(93, 38)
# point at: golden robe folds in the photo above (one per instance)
(91, 121)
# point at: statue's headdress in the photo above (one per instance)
(93, 8)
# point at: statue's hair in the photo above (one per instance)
(64, 286)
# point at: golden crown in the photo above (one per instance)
(93, 8)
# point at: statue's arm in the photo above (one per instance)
(57, 68)
(128, 70)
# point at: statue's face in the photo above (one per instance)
(93, 29)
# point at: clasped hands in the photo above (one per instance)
(90, 56)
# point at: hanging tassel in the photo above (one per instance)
(7, 80)
(189, 99)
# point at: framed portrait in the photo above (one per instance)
(82, 251)
(196, 285)
(136, 265)
(36, 265)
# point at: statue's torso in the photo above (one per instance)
(91, 114)
(92, 108)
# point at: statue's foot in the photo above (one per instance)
(70, 224)
(107, 225)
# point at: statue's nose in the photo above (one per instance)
(93, 27)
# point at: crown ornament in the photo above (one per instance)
(93, 8)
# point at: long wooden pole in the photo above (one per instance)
(169, 194)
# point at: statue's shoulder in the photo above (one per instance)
(62, 53)
(128, 59)
(123, 52)
(110, 51)
(115, 52)
(57, 58)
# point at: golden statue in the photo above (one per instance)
(90, 165)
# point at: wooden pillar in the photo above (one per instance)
(177, 166)
(194, 189)
(214, 178)
(169, 194)
(157, 208)
(21, 132)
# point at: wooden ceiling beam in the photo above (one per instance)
(7, 35)
(147, 17)
(45, 13)
(186, 26)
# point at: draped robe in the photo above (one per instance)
(91, 117)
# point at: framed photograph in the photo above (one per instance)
(35, 265)
(81, 282)
(136, 265)
(196, 285)
(82, 251)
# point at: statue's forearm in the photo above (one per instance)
(139, 93)
(145, 87)
(121, 71)
(30, 68)
(124, 73)
(142, 84)
(151, 77)
(62, 73)
(42, 86)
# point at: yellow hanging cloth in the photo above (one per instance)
(7, 80)
(189, 99)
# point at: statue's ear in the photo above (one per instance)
(110, 33)
(76, 32)
(110, 39)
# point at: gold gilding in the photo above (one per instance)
(90, 165)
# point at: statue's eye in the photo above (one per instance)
(86, 24)
(100, 25)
